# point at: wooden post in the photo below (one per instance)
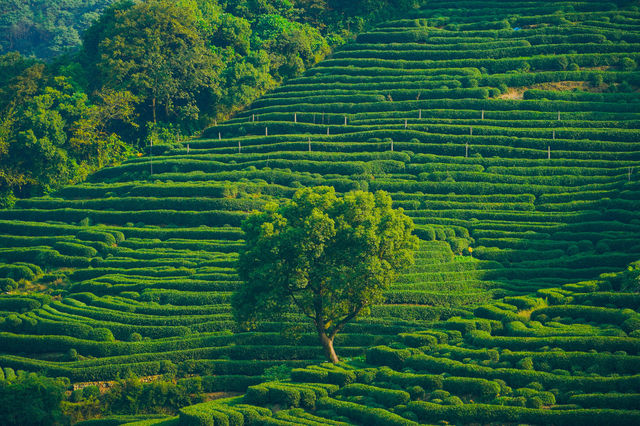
(215, 122)
(466, 150)
(323, 117)
(554, 135)
(253, 118)
(471, 131)
(345, 120)
(548, 152)
(327, 130)
(309, 143)
(630, 171)
(295, 117)
(405, 123)
(187, 148)
(420, 113)
(151, 155)
(314, 118)
(391, 144)
(219, 136)
(483, 114)
(558, 115)
(266, 131)
(239, 148)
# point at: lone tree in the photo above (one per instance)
(330, 257)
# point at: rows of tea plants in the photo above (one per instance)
(558, 356)
(466, 114)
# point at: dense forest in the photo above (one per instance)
(46, 28)
(81, 89)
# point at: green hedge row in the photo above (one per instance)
(484, 52)
(288, 394)
(568, 343)
(383, 396)
(361, 414)
(627, 318)
(473, 413)
(214, 413)
(620, 401)
(358, 96)
(44, 257)
(536, 62)
(151, 217)
(517, 377)
(146, 203)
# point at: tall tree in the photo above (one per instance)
(154, 50)
(328, 257)
(50, 134)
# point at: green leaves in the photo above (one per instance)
(154, 49)
(331, 257)
(50, 135)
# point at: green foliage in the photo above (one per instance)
(142, 269)
(52, 134)
(31, 400)
(164, 61)
(333, 256)
(131, 396)
(45, 28)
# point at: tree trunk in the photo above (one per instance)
(153, 105)
(327, 346)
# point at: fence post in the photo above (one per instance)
(151, 155)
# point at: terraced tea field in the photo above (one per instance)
(466, 113)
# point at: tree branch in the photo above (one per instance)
(344, 321)
(297, 303)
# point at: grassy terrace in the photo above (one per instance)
(511, 130)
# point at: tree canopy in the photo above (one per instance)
(46, 28)
(327, 257)
(30, 399)
(153, 49)
(50, 133)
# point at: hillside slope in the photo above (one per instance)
(459, 112)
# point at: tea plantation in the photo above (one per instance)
(508, 130)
